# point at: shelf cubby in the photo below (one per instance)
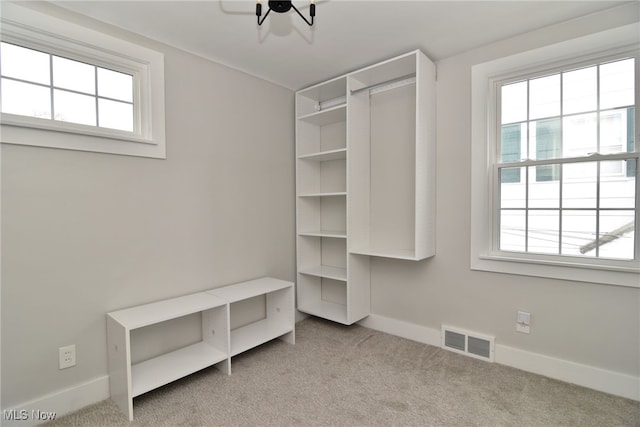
(278, 321)
(323, 297)
(321, 97)
(128, 381)
(161, 370)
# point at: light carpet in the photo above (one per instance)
(353, 376)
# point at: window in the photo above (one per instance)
(554, 196)
(38, 84)
(555, 161)
(67, 86)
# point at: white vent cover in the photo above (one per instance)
(468, 343)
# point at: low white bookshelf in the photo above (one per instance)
(219, 343)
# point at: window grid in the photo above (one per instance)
(526, 163)
(52, 88)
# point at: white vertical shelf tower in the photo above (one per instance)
(365, 174)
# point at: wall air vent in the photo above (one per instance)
(468, 343)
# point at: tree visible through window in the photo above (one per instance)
(566, 181)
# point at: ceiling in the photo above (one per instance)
(347, 35)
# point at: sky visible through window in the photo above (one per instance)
(38, 84)
(563, 202)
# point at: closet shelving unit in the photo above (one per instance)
(365, 174)
(392, 158)
(321, 169)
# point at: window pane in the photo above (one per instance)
(580, 90)
(513, 142)
(115, 115)
(613, 131)
(25, 64)
(512, 230)
(632, 167)
(115, 85)
(75, 108)
(617, 190)
(544, 232)
(26, 99)
(514, 102)
(74, 75)
(545, 139)
(617, 84)
(617, 234)
(544, 97)
(513, 188)
(579, 185)
(544, 193)
(578, 233)
(580, 135)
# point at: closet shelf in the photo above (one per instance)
(407, 254)
(337, 193)
(323, 156)
(326, 310)
(324, 117)
(324, 233)
(326, 271)
(169, 367)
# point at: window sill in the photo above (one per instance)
(623, 275)
(58, 126)
(109, 142)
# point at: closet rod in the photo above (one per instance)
(387, 83)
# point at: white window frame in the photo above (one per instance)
(485, 77)
(35, 30)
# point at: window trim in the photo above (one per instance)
(485, 77)
(35, 30)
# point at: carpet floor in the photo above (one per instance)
(353, 376)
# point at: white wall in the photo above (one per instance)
(86, 233)
(591, 324)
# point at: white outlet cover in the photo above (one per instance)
(523, 322)
(67, 356)
(524, 318)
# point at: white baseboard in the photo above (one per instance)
(59, 403)
(77, 397)
(576, 373)
(402, 329)
(603, 380)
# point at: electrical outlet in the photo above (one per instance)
(523, 322)
(67, 356)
